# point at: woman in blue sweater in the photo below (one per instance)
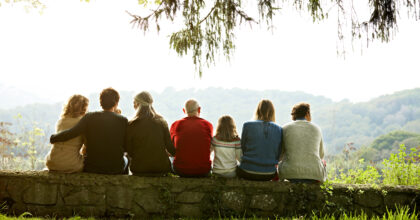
(261, 145)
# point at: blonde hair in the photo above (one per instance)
(265, 111)
(76, 106)
(145, 108)
(226, 129)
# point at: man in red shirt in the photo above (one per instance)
(192, 137)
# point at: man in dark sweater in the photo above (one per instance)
(104, 132)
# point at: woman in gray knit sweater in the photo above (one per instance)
(303, 150)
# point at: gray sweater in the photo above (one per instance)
(302, 152)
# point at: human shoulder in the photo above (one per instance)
(251, 123)
(67, 122)
(161, 121)
(205, 122)
(274, 124)
(120, 117)
(288, 124)
(175, 123)
(315, 126)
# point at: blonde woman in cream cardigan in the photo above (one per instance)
(66, 157)
(303, 150)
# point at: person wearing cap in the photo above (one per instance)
(192, 139)
(303, 149)
(104, 132)
(148, 141)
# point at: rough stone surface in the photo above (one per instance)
(41, 194)
(119, 196)
(150, 201)
(369, 199)
(189, 210)
(190, 197)
(234, 200)
(83, 196)
(3, 192)
(263, 202)
(391, 199)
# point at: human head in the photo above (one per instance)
(143, 99)
(109, 98)
(192, 108)
(226, 129)
(265, 111)
(143, 103)
(301, 110)
(76, 106)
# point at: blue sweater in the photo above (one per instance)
(261, 146)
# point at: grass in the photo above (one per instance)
(399, 214)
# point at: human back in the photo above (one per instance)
(148, 139)
(192, 137)
(65, 156)
(303, 149)
(226, 145)
(261, 144)
(105, 135)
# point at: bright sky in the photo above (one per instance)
(77, 47)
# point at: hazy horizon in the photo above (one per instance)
(44, 98)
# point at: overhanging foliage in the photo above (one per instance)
(209, 29)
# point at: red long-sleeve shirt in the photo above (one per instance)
(192, 138)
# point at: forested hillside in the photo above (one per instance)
(341, 122)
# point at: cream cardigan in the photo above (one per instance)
(65, 156)
(302, 151)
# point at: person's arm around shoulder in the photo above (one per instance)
(167, 138)
(78, 129)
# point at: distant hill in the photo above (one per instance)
(11, 97)
(386, 144)
(341, 122)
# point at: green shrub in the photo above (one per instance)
(401, 169)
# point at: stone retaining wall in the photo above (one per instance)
(63, 195)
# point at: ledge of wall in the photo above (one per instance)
(63, 195)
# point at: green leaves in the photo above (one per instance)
(402, 169)
(399, 169)
(209, 29)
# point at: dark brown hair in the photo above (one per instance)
(300, 110)
(226, 129)
(265, 111)
(76, 106)
(109, 98)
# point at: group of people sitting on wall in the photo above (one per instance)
(106, 142)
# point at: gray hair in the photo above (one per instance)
(191, 106)
(144, 99)
(145, 109)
